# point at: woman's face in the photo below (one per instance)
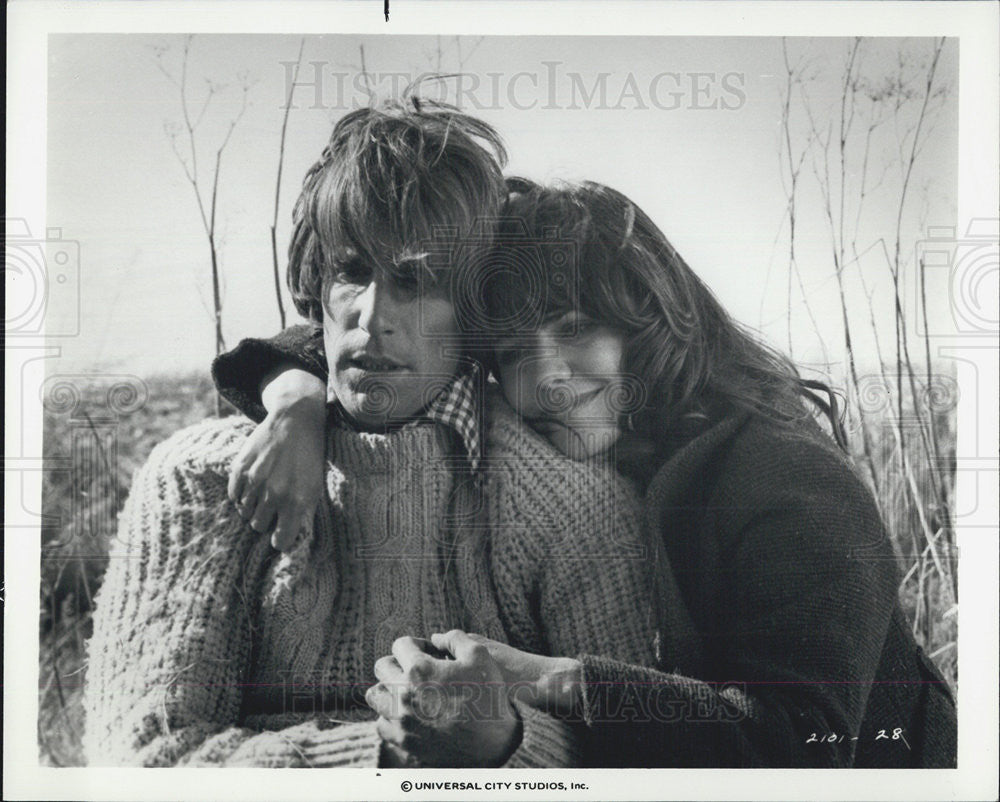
(565, 379)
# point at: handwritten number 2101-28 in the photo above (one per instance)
(882, 735)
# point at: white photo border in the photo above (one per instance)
(974, 24)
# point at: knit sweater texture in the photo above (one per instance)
(209, 648)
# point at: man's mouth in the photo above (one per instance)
(374, 364)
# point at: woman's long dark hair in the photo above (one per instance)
(694, 360)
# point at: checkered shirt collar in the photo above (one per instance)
(458, 406)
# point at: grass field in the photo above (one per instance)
(93, 451)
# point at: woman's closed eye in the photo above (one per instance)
(574, 324)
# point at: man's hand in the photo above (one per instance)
(552, 684)
(450, 710)
(276, 480)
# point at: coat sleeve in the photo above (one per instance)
(806, 585)
(238, 373)
(173, 629)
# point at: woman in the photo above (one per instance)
(804, 657)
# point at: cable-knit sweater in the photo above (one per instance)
(209, 648)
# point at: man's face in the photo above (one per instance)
(390, 348)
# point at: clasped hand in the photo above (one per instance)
(448, 701)
(443, 702)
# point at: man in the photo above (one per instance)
(210, 650)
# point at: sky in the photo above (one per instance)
(689, 128)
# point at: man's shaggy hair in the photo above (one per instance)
(408, 190)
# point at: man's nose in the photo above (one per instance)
(376, 309)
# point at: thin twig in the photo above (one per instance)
(794, 169)
(364, 74)
(277, 184)
(902, 346)
(835, 225)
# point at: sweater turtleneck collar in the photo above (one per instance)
(458, 407)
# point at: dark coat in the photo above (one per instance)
(785, 644)
(804, 656)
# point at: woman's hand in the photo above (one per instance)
(548, 683)
(452, 709)
(276, 480)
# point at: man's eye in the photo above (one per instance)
(353, 273)
(407, 279)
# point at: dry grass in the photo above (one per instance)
(80, 505)
(915, 496)
(91, 456)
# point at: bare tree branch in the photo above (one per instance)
(189, 164)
